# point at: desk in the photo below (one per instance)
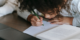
(15, 22)
(8, 33)
(12, 20)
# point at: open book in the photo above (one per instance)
(53, 32)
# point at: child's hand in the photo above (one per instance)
(65, 20)
(36, 22)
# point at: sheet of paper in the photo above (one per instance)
(34, 30)
(59, 33)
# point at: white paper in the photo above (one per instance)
(59, 33)
(35, 30)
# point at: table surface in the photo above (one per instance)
(12, 20)
(8, 33)
(13, 24)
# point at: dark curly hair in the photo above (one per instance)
(43, 5)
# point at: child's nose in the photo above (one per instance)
(47, 16)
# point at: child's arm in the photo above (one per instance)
(8, 8)
(75, 21)
(29, 17)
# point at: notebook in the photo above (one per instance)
(53, 32)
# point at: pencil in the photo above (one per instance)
(37, 16)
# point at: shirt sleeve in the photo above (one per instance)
(23, 14)
(2, 2)
(8, 8)
(76, 19)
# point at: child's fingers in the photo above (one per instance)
(41, 19)
(38, 23)
(35, 23)
(32, 23)
(36, 18)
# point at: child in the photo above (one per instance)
(53, 8)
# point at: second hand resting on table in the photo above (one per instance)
(38, 22)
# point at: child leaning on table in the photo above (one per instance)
(58, 11)
(53, 9)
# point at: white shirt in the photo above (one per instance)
(74, 10)
(10, 6)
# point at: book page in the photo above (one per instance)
(59, 33)
(33, 30)
(76, 37)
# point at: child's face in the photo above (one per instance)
(49, 14)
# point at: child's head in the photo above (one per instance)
(50, 8)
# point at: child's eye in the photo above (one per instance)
(51, 13)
